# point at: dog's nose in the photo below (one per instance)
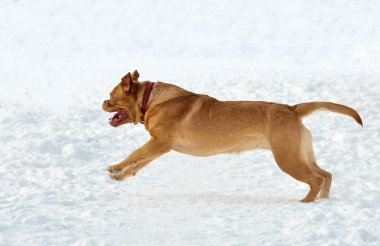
(105, 103)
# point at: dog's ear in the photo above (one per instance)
(127, 83)
(135, 75)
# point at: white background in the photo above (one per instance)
(60, 59)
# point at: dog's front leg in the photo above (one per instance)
(139, 158)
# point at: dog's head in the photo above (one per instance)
(123, 101)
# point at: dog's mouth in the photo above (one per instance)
(117, 119)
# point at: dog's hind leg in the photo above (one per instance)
(299, 169)
(327, 177)
(288, 150)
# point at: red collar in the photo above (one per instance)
(144, 105)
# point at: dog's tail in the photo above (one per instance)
(304, 109)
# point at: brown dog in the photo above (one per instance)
(200, 125)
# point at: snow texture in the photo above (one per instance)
(60, 59)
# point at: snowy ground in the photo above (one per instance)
(59, 60)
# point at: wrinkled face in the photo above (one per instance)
(118, 103)
(122, 101)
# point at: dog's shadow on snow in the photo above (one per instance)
(213, 197)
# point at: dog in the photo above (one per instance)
(200, 125)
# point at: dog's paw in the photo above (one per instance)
(306, 200)
(113, 168)
(117, 176)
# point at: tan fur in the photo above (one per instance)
(200, 125)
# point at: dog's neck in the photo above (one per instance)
(160, 93)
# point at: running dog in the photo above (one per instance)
(200, 125)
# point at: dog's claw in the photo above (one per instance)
(116, 176)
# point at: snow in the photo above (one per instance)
(60, 59)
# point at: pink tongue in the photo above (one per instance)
(112, 121)
(114, 118)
